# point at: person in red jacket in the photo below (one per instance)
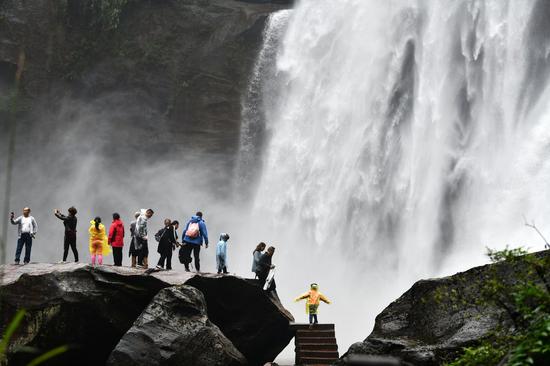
(116, 238)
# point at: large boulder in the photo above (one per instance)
(251, 321)
(91, 309)
(174, 329)
(432, 322)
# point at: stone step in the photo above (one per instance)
(317, 361)
(314, 340)
(297, 326)
(315, 333)
(314, 346)
(317, 353)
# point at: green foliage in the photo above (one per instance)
(8, 334)
(506, 254)
(534, 347)
(48, 355)
(483, 355)
(527, 301)
(10, 330)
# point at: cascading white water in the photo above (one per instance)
(405, 137)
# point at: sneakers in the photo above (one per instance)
(16, 263)
(159, 267)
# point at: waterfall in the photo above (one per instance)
(262, 91)
(405, 137)
(408, 129)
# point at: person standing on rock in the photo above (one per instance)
(26, 231)
(69, 240)
(167, 239)
(264, 266)
(314, 298)
(194, 235)
(221, 253)
(142, 245)
(98, 241)
(256, 255)
(133, 252)
(176, 225)
(116, 238)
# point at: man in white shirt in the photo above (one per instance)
(26, 230)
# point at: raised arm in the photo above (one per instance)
(324, 299)
(302, 297)
(16, 221)
(60, 216)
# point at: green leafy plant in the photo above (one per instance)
(482, 355)
(8, 334)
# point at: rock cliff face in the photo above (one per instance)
(431, 323)
(95, 310)
(143, 75)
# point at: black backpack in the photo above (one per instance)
(160, 234)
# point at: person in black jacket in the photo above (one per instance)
(264, 266)
(69, 222)
(167, 243)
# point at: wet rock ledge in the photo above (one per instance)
(120, 316)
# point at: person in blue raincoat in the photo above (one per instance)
(221, 253)
(194, 235)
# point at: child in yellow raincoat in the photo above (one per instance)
(98, 241)
(314, 298)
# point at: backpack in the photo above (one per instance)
(159, 234)
(193, 230)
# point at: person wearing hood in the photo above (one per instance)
(99, 245)
(167, 239)
(69, 240)
(26, 231)
(221, 253)
(133, 252)
(256, 255)
(142, 245)
(194, 235)
(313, 298)
(116, 238)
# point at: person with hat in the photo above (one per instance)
(313, 298)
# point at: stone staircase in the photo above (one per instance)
(315, 344)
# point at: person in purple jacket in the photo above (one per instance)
(194, 235)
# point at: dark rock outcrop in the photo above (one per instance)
(253, 332)
(174, 330)
(92, 309)
(432, 322)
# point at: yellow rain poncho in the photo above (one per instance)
(100, 235)
(314, 298)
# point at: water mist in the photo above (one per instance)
(401, 138)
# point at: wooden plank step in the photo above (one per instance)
(315, 340)
(297, 326)
(313, 346)
(316, 333)
(318, 353)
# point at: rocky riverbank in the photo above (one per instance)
(115, 316)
